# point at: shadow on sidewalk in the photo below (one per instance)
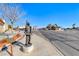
(20, 45)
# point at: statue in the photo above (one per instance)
(28, 33)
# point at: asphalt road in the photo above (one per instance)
(67, 42)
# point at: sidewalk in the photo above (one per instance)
(41, 48)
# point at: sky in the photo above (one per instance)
(42, 14)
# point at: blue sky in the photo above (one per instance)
(45, 13)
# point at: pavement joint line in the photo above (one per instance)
(57, 49)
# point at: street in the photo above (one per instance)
(67, 42)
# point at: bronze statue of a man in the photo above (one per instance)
(28, 33)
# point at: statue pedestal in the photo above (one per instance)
(28, 48)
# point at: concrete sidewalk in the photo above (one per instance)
(42, 47)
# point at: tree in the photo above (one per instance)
(73, 26)
(11, 12)
(53, 27)
(49, 26)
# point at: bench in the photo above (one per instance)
(7, 43)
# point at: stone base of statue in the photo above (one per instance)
(27, 48)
